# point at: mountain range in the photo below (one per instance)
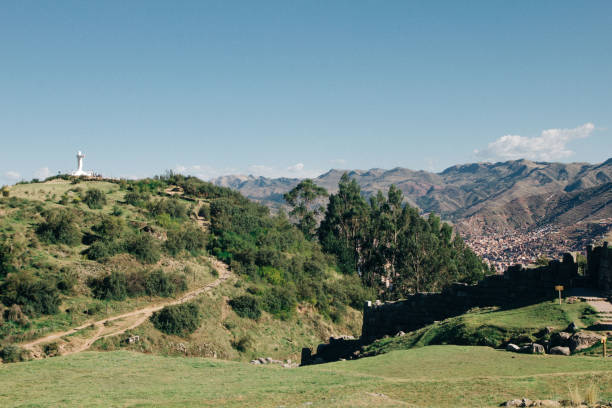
(504, 196)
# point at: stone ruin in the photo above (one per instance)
(516, 287)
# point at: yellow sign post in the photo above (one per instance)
(559, 288)
(603, 341)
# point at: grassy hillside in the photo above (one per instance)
(441, 376)
(492, 327)
(63, 241)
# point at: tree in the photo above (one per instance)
(341, 230)
(303, 198)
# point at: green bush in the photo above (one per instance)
(66, 280)
(190, 238)
(15, 314)
(204, 212)
(51, 349)
(246, 306)
(7, 256)
(180, 319)
(94, 198)
(170, 206)
(12, 354)
(137, 199)
(109, 287)
(159, 283)
(243, 343)
(144, 247)
(279, 302)
(110, 228)
(60, 227)
(101, 250)
(36, 296)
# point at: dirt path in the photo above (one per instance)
(119, 324)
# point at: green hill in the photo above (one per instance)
(74, 253)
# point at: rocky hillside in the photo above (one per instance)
(512, 194)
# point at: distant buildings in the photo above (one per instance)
(502, 249)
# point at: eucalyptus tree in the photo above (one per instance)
(306, 207)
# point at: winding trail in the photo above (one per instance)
(115, 325)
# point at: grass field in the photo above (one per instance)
(444, 376)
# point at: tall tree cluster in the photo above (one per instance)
(390, 245)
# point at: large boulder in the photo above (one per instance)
(561, 351)
(560, 339)
(533, 348)
(513, 347)
(583, 340)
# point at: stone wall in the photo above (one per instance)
(599, 264)
(515, 287)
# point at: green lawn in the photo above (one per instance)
(429, 376)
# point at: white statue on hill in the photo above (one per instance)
(79, 171)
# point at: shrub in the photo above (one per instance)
(158, 283)
(279, 302)
(243, 343)
(101, 250)
(180, 319)
(110, 228)
(109, 287)
(93, 308)
(51, 349)
(35, 296)
(14, 314)
(204, 212)
(171, 206)
(60, 227)
(144, 247)
(190, 238)
(94, 198)
(5, 191)
(12, 354)
(246, 306)
(7, 256)
(66, 280)
(137, 199)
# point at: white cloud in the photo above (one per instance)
(296, 168)
(340, 162)
(42, 173)
(12, 175)
(549, 146)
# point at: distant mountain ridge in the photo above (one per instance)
(509, 195)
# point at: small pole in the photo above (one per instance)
(604, 341)
(559, 288)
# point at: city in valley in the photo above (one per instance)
(506, 248)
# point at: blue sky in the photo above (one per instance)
(294, 88)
